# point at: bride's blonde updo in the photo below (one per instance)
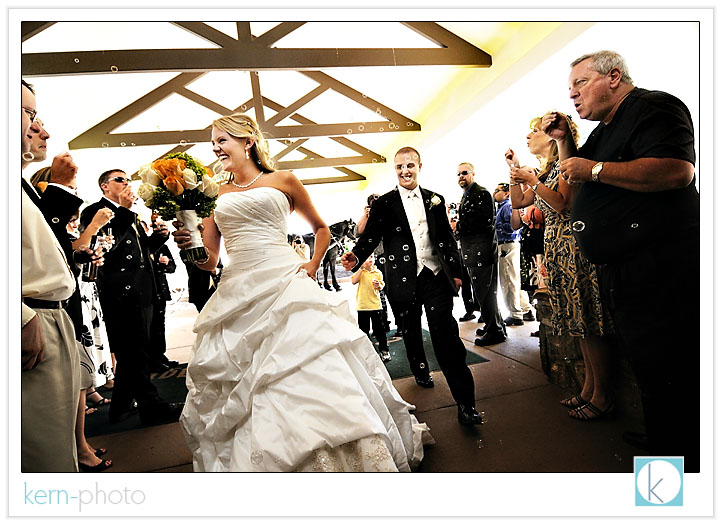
(242, 126)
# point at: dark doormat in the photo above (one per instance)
(171, 386)
(399, 365)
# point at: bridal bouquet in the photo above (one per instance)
(179, 186)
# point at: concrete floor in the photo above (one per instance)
(525, 430)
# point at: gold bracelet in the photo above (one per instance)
(533, 188)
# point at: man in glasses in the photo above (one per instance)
(127, 289)
(50, 369)
(423, 268)
(475, 227)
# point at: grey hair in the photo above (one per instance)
(604, 61)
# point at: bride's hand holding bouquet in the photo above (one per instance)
(179, 187)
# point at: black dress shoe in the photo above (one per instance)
(169, 363)
(529, 316)
(480, 320)
(426, 382)
(385, 356)
(510, 321)
(490, 339)
(158, 413)
(158, 367)
(468, 316)
(481, 331)
(468, 415)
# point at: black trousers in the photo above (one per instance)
(654, 301)
(375, 318)
(157, 345)
(484, 281)
(435, 296)
(128, 328)
(467, 295)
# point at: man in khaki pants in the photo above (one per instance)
(50, 380)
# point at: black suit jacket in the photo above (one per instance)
(57, 206)
(161, 269)
(387, 222)
(475, 227)
(127, 274)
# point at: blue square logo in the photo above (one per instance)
(659, 481)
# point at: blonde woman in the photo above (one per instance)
(572, 279)
(280, 377)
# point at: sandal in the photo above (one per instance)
(100, 467)
(96, 404)
(574, 401)
(590, 412)
(100, 452)
(90, 410)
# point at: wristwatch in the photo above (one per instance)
(596, 170)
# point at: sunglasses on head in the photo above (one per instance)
(465, 172)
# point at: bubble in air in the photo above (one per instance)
(114, 69)
(635, 225)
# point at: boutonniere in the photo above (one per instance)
(434, 201)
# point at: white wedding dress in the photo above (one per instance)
(280, 377)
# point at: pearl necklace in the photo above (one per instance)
(243, 186)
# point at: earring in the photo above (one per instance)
(28, 156)
(247, 155)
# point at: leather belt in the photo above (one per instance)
(45, 305)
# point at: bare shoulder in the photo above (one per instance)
(286, 179)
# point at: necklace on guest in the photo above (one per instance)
(243, 186)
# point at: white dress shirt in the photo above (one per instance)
(45, 272)
(416, 214)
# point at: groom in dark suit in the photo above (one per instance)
(127, 288)
(475, 227)
(422, 269)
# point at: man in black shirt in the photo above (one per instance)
(636, 215)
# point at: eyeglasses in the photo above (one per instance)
(120, 179)
(465, 172)
(31, 113)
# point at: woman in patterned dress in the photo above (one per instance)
(573, 289)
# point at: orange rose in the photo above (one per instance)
(169, 167)
(174, 184)
(41, 186)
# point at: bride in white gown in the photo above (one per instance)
(280, 377)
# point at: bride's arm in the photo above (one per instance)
(211, 240)
(304, 206)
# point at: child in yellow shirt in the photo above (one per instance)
(368, 304)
